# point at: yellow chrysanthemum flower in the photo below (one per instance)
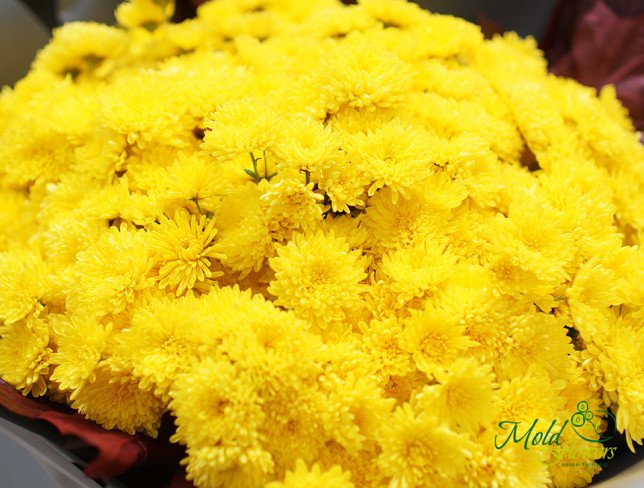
(417, 450)
(25, 355)
(274, 346)
(465, 396)
(294, 426)
(183, 249)
(228, 465)
(395, 13)
(615, 362)
(114, 400)
(513, 466)
(576, 461)
(306, 145)
(381, 339)
(80, 343)
(394, 156)
(358, 412)
(241, 126)
(192, 181)
(516, 355)
(25, 287)
(66, 236)
(529, 397)
(314, 478)
(147, 14)
(245, 239)
(433, 339)
(404, 223)
(335, 21)
(82, 49)
(40, 152)
(418, 271)
(280, 219)
(356, 75)
(17, 219)
(318, 277)
(227, 414)
(162, 341)
(113, 273)
(344, 185)
(291, 204)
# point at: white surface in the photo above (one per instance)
(28, 460)
(632, 477)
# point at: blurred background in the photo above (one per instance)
(594, 41)
(25, 25)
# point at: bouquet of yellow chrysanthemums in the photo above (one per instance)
(348, 246)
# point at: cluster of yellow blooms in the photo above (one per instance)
(339, 244)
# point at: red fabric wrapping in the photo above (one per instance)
(117, 451)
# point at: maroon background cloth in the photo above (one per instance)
(598, 42)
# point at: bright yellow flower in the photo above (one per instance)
(344, 185)
(82, 49)
(80, 343)
(290, 204)
(147, 14)
(192, 180)
(162, 341)
(464, 398)
(417, 450)
(281, 219)
(306, 145)
(244, 239)
(224, 399)
(17, 219)
(25, 355)
(183, 249)
(113, 273)
(358, 412)
(336, 21)
(615, 362)
(395, 13)
(229, 465)
(433, 339)
(25, 287)
(381, 340)
(529, 397)
(240, 126)
(114, 400)
(394, 156)
(40, 152)
(512, 466)
(314, 478)
(318, 277)
(420, 270)
(403, 223)
(356, 75)
(516, 354)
